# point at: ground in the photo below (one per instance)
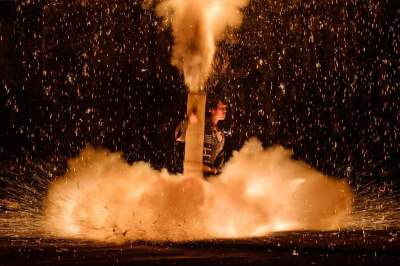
(286, 248)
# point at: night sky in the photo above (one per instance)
(319, 77)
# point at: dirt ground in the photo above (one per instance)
(287, 248)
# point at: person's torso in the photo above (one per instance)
(213, 144)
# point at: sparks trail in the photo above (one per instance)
(24, 186)
(335, 61)
(376, 206)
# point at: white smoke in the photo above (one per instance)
(259, 191)
(197, 26)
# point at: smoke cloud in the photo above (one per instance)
(259, 191)
(197, 26)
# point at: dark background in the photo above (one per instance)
(318, 77)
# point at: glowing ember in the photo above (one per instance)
(259, 191)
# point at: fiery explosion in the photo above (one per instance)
(260, 191)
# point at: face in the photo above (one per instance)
(219, 113)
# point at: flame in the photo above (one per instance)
(197, 26)
(259, 191)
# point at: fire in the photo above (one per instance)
(259, 191)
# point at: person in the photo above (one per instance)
(214, 139)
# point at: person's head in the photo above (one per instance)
(217, 110)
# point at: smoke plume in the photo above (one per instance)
(259, 191)
(197, 26)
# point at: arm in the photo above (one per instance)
(180, 131)
(209, 170)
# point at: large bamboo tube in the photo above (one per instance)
(194, 139)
